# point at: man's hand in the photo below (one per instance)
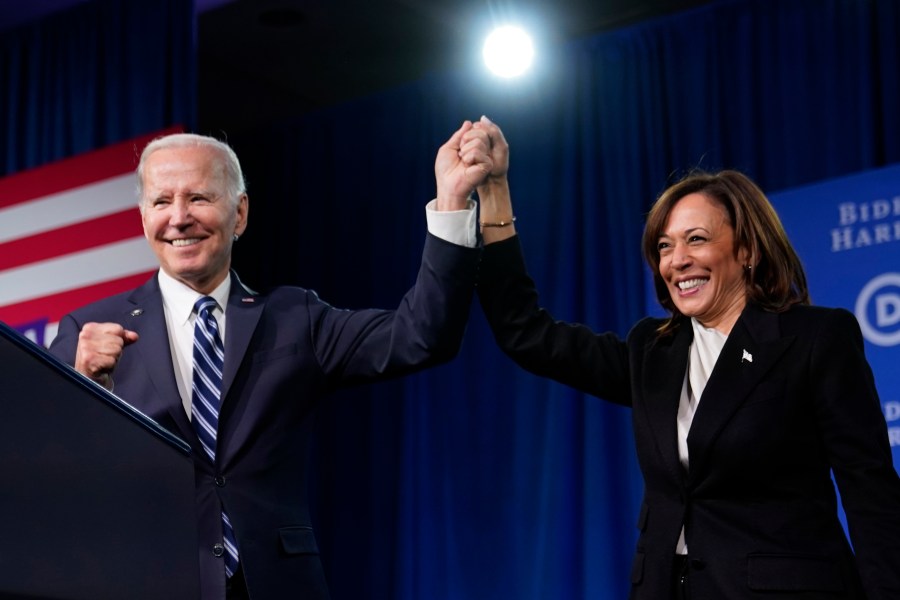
(462, 163)
(100, 346)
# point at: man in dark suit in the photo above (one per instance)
(282, 352)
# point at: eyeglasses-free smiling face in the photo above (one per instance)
(697, 261)
(188, 218)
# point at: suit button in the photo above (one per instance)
(220, 481)
(218, 550)
(697, 564)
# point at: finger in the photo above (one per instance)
(456, 139)
(483, 122)
(93, 330)
(104, 339)
(475, 138)
(493, 131)
(474, 154)
(475, 148)
(477, 172)
(94, 364)
(476, 130)
(101, 363)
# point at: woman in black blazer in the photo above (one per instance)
(745, 400)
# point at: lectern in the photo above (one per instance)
(96, 499)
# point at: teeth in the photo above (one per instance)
(691, 283)
(188, 242)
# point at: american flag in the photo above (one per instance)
(70, 233)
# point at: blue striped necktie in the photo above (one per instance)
(209, 356)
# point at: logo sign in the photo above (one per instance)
(847, 233)
(878, 310)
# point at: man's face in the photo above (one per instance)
(188, 218)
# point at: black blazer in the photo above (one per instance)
(790, 399)
(283, 353)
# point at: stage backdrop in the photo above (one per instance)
(70, 233)
(477, 480)
(97, 73)
(847, 232)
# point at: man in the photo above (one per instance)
(237, 375)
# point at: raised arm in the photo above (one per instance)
(496, 205)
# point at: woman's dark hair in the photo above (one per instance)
(774, 279)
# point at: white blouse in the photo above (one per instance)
(704, 353)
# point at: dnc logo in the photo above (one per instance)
(878, 310)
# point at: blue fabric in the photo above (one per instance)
(101, 72)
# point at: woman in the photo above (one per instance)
(744, 400)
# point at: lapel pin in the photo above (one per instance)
(137, 312)
(747, 357)
(248, 300)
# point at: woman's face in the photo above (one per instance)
(698, 264)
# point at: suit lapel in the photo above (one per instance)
(244, 311)
(147, 318)
(665, 366)
(754, 345)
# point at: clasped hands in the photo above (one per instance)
(476, 156)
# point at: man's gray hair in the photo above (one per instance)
(234, 177)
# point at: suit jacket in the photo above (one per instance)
(790, 399)
(283, 352)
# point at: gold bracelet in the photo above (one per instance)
(499, 223)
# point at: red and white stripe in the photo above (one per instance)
(70, 233)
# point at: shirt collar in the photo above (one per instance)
(179, 299)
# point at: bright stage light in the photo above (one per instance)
(508, 51)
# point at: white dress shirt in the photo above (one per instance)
(456, 226)
(178, 305)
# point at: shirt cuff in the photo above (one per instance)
(454, 226)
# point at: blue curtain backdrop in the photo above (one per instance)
(98, 73)
(476, 480)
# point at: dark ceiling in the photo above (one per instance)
(261, 61)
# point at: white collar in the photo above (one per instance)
(179, 299)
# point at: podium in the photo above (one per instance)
(96, 499)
